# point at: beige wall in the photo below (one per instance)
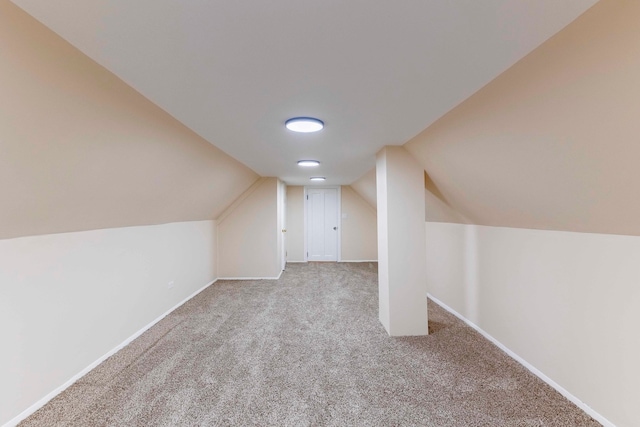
(295, 223)
(248, 234)
(552, 143)
(68, 299)
(82, 150)
(436, 207)
(359, 238)
(365, 186)
(565, 302)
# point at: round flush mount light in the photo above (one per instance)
(304, 124)
(318, 178)
(308, 163)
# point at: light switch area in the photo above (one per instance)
(170, 284)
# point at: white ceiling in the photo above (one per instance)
(377, 71)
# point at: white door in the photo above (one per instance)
(322, 224)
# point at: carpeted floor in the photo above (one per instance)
(306, 350)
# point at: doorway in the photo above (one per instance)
(322, 207)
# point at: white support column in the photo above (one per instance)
(401, 245)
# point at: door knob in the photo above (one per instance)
(335, 228)
(284, 230)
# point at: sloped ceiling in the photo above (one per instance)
(552, 143)
(81, 150)
(378, 72)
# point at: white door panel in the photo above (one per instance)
(322, 224)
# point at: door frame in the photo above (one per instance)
(305, 200)
(282, 218)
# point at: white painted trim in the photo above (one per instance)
(580, 404)
(304, 224)
(306, 228)
(282, 215)
(339, 222)
(359, 260)
(40, 403)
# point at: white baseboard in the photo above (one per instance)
(40, 403)
(297, 262)
(359, 260)
(580, 404)
(251, 278)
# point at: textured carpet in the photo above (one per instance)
(306, 350)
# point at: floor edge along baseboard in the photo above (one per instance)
(40, 403)
(252, 278)
(579, 403)
(359, 260)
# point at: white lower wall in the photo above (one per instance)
(68, 299)
(567, 303)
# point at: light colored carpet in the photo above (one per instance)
(306, 350)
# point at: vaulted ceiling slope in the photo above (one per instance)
(552, 143)
(377, 71)
(81, 150)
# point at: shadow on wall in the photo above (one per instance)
(433, 188)
(436, 206)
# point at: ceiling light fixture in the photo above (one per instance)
(318, 178)
(308, 163)
(304, 124)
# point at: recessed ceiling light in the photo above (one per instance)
(304, 124)
(318, 178)
(308, 163)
